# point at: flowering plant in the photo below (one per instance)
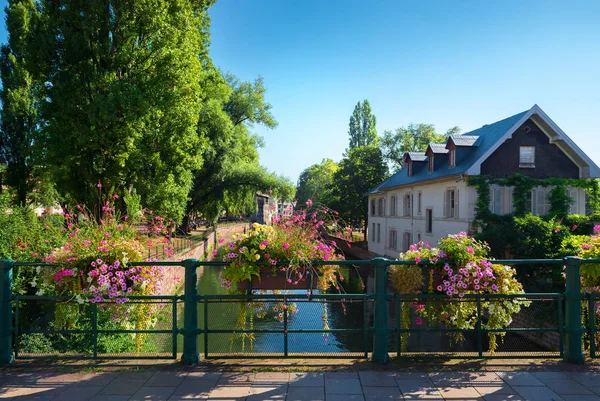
(295, 240)
(590, 275)
(459, 267)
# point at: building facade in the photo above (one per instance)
(429, 198)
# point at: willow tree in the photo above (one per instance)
(123, 96)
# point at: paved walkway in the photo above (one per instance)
(328, 386)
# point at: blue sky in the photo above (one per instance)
(447, 63)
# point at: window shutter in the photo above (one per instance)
(534, 201)
(540, 202)
(492, 200)
(456, 204)
(444, 209)
(574, 208)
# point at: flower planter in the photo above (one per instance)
(276, 281)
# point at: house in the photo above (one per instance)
(429, 198)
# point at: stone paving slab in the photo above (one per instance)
(364, 385)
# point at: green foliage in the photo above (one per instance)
(361, 169)
(559, 200)
(316, 183)
(482, 208)
(20, 82)
(578, 224)
(35, 343)
(231, 173)
(536, 238)
(413, 138)
(362, 127)
(571, 244)
(133, 201)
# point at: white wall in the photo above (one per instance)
(432, 197)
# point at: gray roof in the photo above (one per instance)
(465, 140)
(417, 156)
(481, 140)
(438, 148)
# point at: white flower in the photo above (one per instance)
(40, 292)
(33, 283)
(37, 269)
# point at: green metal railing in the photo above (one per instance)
(375, 329)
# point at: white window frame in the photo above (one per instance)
(373, 236)
(451, 203)
(380, 207)
(452, 157)
(373, 207)
(419, 202)
(378, 232)
(527, 160)
(393, 205)
(496, 199)
(574, 194)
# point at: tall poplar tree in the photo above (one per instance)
(362, 127)
(19, 113)
(123, 97)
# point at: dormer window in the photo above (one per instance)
(410, 169)
(430, 163)
(452, 157)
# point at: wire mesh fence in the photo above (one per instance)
(427, 326)
(286, 324)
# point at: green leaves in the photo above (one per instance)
(362, 130)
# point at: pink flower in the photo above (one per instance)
(574, 227)
(309, 203)
(221, 240)
(99, 185)
(285, 245)
(585, 246)
(557, 230)
(418, 321)
(470, 249)
(214, 252)
(417, 259)
(596, 228)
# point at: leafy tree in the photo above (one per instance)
(362, 130)
(413, 138)
(19, 112)
(361, 169)
(231, 173)
(316, 183)
(123, 96)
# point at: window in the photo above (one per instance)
(372, 235)
(496, 200)
(372, 207)
(452, 158)
(406, 205)
(430, 163)
(393, 240)
(451, 204)
(539, 201)
(419, 202)
(418, 237)
(526, 156)
(409, 169)
(428, 221)
(380, 206)
(378, 232)
(393, 206)
(574, 194)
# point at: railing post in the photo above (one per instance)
(574, 329)
(380, 343)
(6, 329)
(190, 314)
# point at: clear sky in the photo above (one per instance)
(447, 62)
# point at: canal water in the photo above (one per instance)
(309, 315)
